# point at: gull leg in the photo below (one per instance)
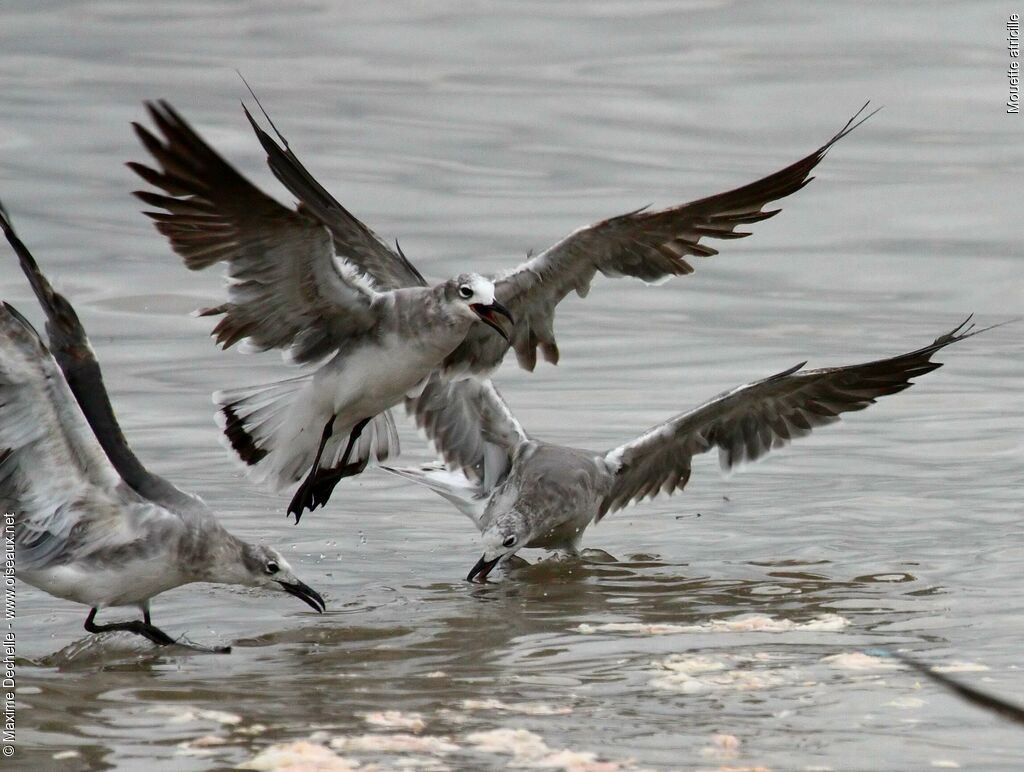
(303, 497)
(148, 631)
(324, 484)
(145, 629)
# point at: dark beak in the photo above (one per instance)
(306, 594)
(482, 568)
(488, 315)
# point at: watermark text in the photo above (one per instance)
(1013, 71)
(7, 647)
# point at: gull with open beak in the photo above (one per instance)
(92, 524)
(317, 284)
(523, 492)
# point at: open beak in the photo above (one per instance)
(305, 593)
(488, 314)
(482, 568)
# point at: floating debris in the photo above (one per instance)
(396, 719)
(517, 742)
(183, 714)
(696, 674)
(723, 746)
(530, 751)
(525, 708)
(858, 660)
(303, 756)
(395, 743)
(747, 623)
(252, 729)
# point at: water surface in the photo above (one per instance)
(475, 132)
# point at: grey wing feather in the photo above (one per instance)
(470, 425)
(647, 245)
(54, 476)
(286, 288)
(70, 347)
(748, 421)
(353, 241)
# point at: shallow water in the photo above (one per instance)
(475, 132)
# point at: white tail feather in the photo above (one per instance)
(454, 486)
(273, 428)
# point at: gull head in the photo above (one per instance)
(473, 296)
(265, 567)
(502, 539)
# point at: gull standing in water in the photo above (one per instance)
(92, 524)
(316, 283)
(522, 492)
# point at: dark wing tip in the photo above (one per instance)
(266, 115)
(967, 329)
(850, 126)
(1004, 708)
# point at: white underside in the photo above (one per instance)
(361, 384)
(129, 585)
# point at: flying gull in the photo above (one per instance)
(523, 492)
(92, 524)
(318, 284)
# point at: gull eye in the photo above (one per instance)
(272, 567)
(509, 541)
(465, 292)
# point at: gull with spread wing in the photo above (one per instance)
(523, 492)
(92, 524)
(316, 283)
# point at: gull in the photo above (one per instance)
(318, 284)
(92, 524)
(523, 492)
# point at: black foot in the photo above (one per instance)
(148, 631)
(303, 498)
(323, 485)
(319, 484)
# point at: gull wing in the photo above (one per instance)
(647, 245)
(353, 241)
(53, 473)
(748, 421)
(286, 288)
(70, 347)
(470, 425)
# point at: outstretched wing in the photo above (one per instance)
(286, 289)
(748, 421)
(470, 425)
(70, 348)
(54, 476)
(651, 246)
(353, 241)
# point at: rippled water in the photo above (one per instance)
(474, 132)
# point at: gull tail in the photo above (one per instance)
(275, 430)
(467, 496)
(260, 424)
